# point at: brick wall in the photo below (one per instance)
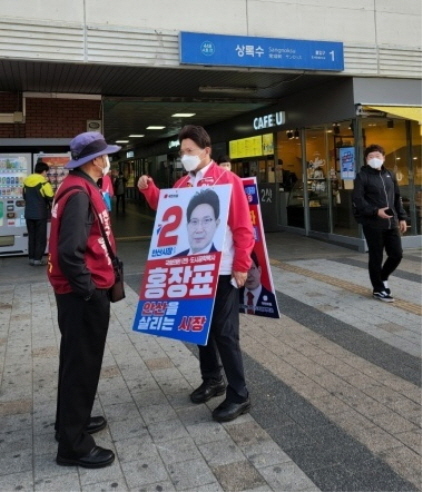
(9, 103)
(48, 118)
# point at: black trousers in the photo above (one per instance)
(378, 240)
(83, 327)
(223, 343)
(120, 198)
(37, 238)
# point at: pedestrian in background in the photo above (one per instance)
(378, 207)
(81, 272)
(120, 191)
(38, 195)
(223, 343)
(224, 162)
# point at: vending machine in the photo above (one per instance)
(55, 174)
(56, 162)
(13, 234)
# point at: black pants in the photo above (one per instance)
(120, 198)
(223, 343)
(83, 326)
(377, 240)
(37, 238)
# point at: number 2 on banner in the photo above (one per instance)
(172, 216)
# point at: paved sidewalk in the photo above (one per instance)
(335, 385)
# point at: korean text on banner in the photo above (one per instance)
(177, 294)
(258, 296)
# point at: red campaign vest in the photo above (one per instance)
(97, 259)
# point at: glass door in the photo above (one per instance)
(343, 163)
(317, 179)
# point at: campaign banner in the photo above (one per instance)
(178, 289)
(258, 296)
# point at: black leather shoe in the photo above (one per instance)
(95, 425)
(97, 458)
(208, 390)
(227, 411)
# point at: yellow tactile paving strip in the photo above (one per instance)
(357, 289)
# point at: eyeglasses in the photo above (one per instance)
(205, 222)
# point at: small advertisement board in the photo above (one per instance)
(347, 163)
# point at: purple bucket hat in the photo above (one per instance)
(87, 146)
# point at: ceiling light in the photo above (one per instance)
(228, 90)
(289, 134)
(183, 115)
(297, 134)
(122, 141)
(152, 127)
(136, 136)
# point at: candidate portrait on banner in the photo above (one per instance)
(202, 221)
(256, 298)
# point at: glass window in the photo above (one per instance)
(288, 178)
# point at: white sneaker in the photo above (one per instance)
(383, 296)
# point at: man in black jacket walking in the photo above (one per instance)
(378, 204)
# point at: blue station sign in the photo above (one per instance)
(245, 51)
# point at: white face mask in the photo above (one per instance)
(106, 170)
(190, 162)
(375, 163)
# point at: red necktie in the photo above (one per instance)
(250, 308)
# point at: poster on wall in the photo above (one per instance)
(57, 171)
(347, 163)
(258, 297)
(177, 294)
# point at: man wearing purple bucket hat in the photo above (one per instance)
(81, 272)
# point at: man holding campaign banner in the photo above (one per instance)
(223, 339)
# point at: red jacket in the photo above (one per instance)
(239, 220)
(78, 258)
